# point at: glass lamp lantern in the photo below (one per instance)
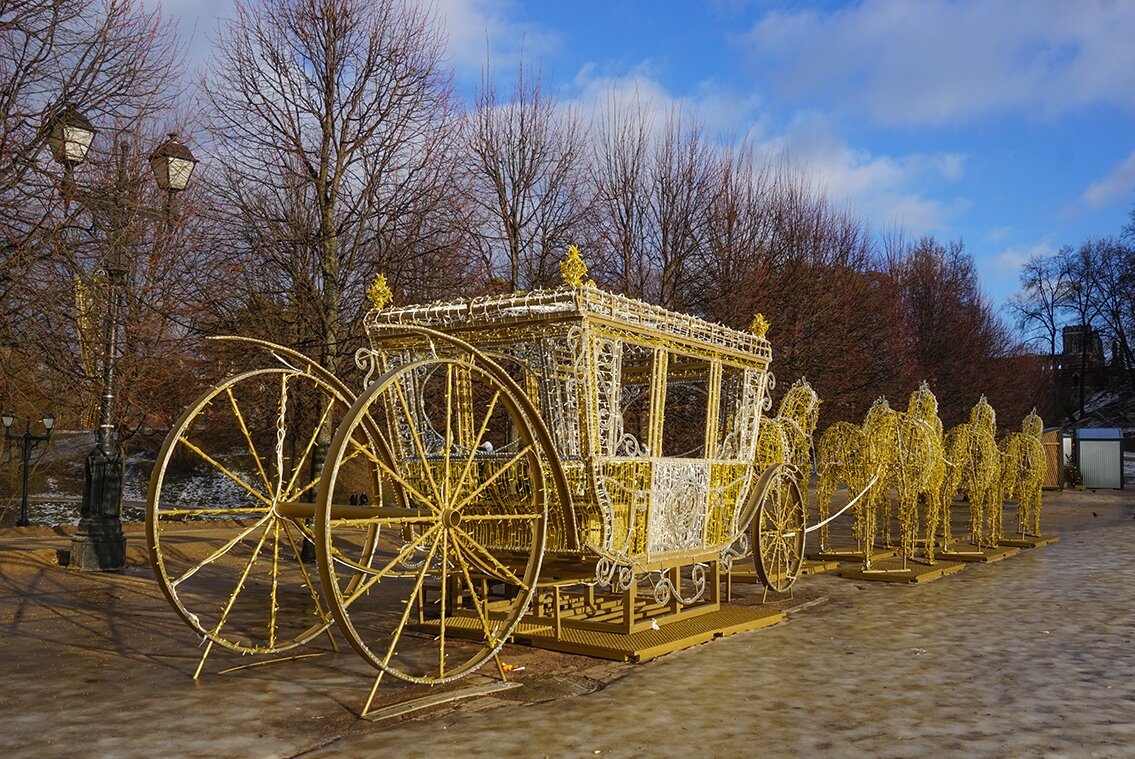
(69, 134)
(172, 164)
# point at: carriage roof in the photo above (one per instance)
(497, 319)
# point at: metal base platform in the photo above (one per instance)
(981, 554)
(846, 555)
(649, 644)
(891, 570)
(810, 567)
(1028, 541)
(638, 646)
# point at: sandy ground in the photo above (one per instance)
(1031, 656)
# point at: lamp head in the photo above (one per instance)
(172, 164)
(69, 133)
(48, 421)
(7, 417)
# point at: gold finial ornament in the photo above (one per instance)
(760, 325)
(379, 293)
(573, 269)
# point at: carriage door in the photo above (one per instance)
(679, 416)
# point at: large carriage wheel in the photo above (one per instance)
(448, 453)
(778, 528)
(225, 520)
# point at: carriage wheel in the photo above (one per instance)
(225, 520)
(778, 529)
(451, 466)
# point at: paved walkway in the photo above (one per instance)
(1033, 656)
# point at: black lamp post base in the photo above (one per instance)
(98, 546)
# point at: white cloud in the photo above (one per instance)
(886, 190)
(477, 28)
(1000, 272)
(722, 112)
(1118, 185)
(947, 61)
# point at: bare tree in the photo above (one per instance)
(680, 182)
(527, 180)
(1037, 306)
(332, 119)
(1081, 300)
(1113, 276)
(620, 178)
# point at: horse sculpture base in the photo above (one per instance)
(981, 554)
(1028, 541)
(893, 570)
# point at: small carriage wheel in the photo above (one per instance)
(778, 528)
(231, 490)
(461, 528)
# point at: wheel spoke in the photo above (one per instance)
(289, 490)
(247, 437)
(296, 542)
(448, 432)
(379, 574)
(417, 438)
(494, 477)
(389, 471)
(501, 517)
(485, 559)
(482, 613)
(239, 588)
(477, 442)
(441, 600)
(281, 434)
(396, 635)
(272, 597)
(220, 551)
(226, 472)
(215, 511)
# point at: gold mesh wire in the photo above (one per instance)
(1023, 468)
(599, 367)
(974, 468)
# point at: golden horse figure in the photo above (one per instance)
(974, 468)
(916, 471)
(841, 457)
(787, 437)
(1023, 466)
(856, 455)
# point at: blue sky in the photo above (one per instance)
(1009, 124)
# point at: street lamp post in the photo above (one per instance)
(28, 443)
(99, 543)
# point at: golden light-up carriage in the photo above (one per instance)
(503, 449)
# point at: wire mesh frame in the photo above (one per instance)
(577, 350)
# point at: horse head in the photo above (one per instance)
(983, 417)
(802, 405)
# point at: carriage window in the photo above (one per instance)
(732, 419)
(634, 400)
(687, 400)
